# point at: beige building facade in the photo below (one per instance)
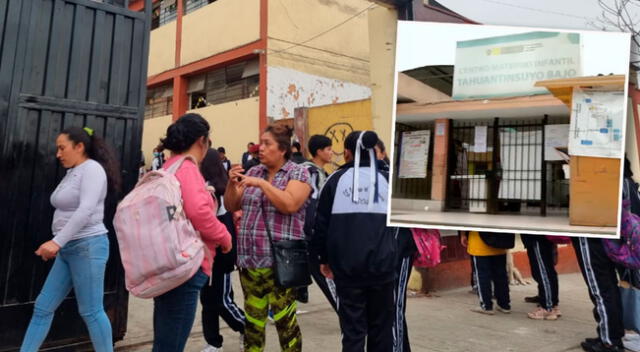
(242, 67)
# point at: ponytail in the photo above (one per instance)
(96, 148)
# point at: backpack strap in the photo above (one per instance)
(176, 166)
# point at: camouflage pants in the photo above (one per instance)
(260, 293)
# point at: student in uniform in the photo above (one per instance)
(490, 267)
(321, 151)
(355, 247)
(541, 252)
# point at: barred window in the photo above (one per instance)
(192, 5)
(168, 11)
(159, 101)
(222, 85)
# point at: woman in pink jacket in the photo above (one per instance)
(174, 311)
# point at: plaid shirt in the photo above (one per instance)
(254, 249)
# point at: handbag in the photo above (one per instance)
(630, 298)
(290, 260)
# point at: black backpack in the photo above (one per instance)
(499, 240)
(310, 214)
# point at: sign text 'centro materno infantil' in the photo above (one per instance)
(510, 65)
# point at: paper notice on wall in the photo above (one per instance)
(414, 154)
(555, 136)
(480, 140)
(597, 123)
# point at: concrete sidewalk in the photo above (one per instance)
(441, 322)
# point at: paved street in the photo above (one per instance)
(441, 322)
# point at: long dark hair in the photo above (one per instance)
(282, 135)
(213, 171)
(184, 132)
(96, 148)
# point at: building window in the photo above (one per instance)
(168, 11)
(230, 83)
(159, 101)
(155, 15)
(192, 5)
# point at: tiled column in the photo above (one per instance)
(440, 158)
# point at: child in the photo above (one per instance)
(490, 266)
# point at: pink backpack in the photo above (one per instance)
(159, 248)
(429, 247)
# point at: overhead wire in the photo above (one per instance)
(537, 9)
(325, 31)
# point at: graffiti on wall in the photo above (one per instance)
(290, 89)
(338, 132)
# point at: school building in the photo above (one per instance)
(244, 66)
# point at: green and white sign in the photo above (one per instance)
(510, 65)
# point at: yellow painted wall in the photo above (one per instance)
(218, 27)
(162, 49)
(153, 129)
(336, 122)
(233, 125)
(382, 39)
(342, 53)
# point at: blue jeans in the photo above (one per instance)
(80, 265)
(174, 313)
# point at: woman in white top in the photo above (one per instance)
(80, 245)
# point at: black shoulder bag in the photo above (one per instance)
(290, 260)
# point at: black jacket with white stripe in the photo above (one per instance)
(352, 237)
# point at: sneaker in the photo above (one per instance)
(503, 310)
(598, 346)
(483, 311)
(210, 348)
(542, 314)
(591, 340)
(532, 299)
(556, 310)
(241, 343)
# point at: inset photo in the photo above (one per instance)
(509, 129)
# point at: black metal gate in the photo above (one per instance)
(62, 63)
(504, 173)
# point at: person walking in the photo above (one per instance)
(356, 249)
(174, 311)
(273, 197)
(216, 296)
(80, 246)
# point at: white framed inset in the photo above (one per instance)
(506, 164)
